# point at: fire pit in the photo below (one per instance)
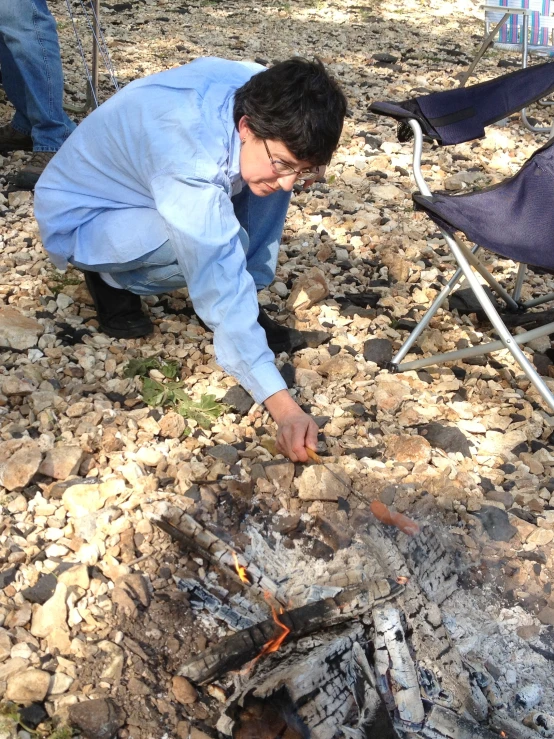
(354, 647)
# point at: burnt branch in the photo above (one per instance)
(236, 650)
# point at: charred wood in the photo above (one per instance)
(501, 722)
(270, 719)
(202, 598)
(316, 674)
(193, 537)
(541, 722)
(430, 562)
(236, 650)
(437, 655)
(444, 724)
(397, 675)
(373, 718)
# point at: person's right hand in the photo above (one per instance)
(296, 429)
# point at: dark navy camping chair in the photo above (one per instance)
(514, 219)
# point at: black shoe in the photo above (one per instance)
(12, 140)
(119, 311)
(28, 175)
(284, 339)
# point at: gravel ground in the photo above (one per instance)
(88, 605)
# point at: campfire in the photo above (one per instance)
(356, 648)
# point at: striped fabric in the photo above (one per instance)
(541, 22)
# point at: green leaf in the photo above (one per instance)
(153, 392)
(205, 412)
(169, 369)
(141, 367)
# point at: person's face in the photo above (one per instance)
(261, 163)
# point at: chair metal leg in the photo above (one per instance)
(422, 325)
(519, 282)
(476, 351)
(505, 337)
(538, 301)
(483, 48)
(534, 129)
(525, 41)
(91, 100)
(486, 275)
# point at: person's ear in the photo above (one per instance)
(244, 129)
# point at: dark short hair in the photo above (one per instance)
(296, 102)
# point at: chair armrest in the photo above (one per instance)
(506, 11)
(461, 114)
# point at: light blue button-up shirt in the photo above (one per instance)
(159, 161)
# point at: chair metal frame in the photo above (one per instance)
(99, 47)
(525, 47)
(468, 262)
(92, 83)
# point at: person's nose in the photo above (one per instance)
(286, 182)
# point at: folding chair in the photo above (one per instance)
(514, 219)
(91, 14)
(526, 26)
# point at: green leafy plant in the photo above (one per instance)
(170, 393)
(142, 367)
(61, 732)
(10, 719)
(205, 412)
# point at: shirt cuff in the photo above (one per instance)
(263, 381)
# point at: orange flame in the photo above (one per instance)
(274, 644)
(503, 733)
(241, 571)
(401, 579)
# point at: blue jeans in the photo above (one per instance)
(32, 72)
(262, 221)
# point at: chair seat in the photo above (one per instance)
(514, 219)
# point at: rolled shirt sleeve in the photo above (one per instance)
(203, 230)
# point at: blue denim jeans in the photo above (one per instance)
(32, 72)
(262, 221)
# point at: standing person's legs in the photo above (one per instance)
(32, 72)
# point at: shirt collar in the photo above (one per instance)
(234, 145)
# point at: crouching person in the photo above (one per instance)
(182, 179)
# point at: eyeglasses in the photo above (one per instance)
(285, 170)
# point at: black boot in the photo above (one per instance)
(284, 339)
(119, 311)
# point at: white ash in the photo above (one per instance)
(483, 630)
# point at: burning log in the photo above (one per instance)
(319, 679)
(393, 663)
(196, 538)
(233, 652)
(507, 727)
